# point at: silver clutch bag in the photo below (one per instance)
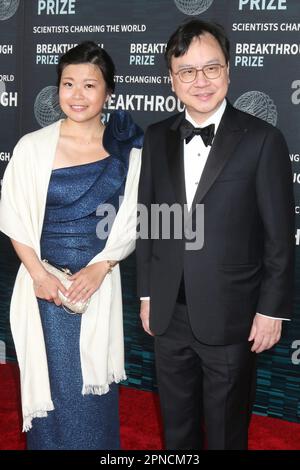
(63, 275)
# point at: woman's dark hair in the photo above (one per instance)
(88, 52)
(181, 39)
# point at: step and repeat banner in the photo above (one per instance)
(265, 81)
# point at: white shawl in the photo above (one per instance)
(22, 209)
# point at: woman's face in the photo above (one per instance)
(82, 92)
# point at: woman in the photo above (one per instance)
(58, 180)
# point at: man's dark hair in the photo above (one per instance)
(88, 52)
(181, 39)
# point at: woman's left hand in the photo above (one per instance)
(87, 281)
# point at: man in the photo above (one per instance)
(212, 309)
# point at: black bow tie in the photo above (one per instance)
(188, 131)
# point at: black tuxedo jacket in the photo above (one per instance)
(246, 263)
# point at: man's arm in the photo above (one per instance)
(144, 243)
(275, 198)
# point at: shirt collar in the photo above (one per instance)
(214, 119)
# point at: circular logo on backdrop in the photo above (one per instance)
(46, 106)
(258, 104)
(8, 8)
(193, 7)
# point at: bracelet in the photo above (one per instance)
(111, 265)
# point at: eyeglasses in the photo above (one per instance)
(211, 72)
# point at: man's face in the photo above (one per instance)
(203, 96)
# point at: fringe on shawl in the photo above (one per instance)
(102, 389)
(40, 412)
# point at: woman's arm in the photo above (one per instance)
(45, 284)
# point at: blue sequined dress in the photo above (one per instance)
(69, 239)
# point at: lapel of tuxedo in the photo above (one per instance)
(228, 136)
(175, 160)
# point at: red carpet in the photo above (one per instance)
(140, 424)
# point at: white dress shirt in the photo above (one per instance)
(195, 154)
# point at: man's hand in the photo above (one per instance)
(144, 315)
(265, 332)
